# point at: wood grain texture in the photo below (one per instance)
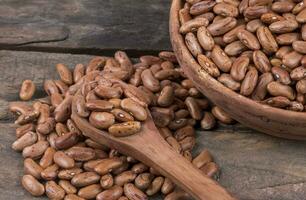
(253, 166)
(84, 26)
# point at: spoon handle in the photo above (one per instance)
(158, 154)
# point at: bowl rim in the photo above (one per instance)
(186, 60)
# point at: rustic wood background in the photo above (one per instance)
(37, 34)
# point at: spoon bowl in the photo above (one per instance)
(149, 147)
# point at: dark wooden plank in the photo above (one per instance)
(84, 26)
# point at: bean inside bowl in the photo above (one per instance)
(210, 67)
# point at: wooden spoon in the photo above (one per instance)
(150, 148)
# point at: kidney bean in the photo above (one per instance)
(202, 7)
(254, 12)
(278, 89)
(27, 90)
(54, 191)
(219, 57)
(239, 68)
(32, 168)
(133, 193)
(113, 193)
(235, 48)
(25, 140)
(210, 169)
(229, 82)
(301, 86)
(32, 185)
(281, 75)
(124, 129)
(193, 25)
(80, 153)
(50, 173)
(205, 39)
(208, 66)
(208, 121)
(221, 115)
(222, 26)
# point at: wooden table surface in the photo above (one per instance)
(37, 34)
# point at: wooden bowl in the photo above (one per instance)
(272, 121)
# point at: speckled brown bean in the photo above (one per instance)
(279, 102)
(134, 108)
(301, 86)
(35, 150)
(50, 173)
(292, 59)
(122, 115)
(254, 12)
(193, 44)
(20, 131)
(249, 83)
(143, 180)
(67, 186)
(107, 181)
(278, 89)
(50, 87)
(221, 115)
(229, 82)
(65, 74)
(32, 185)
(261, 61)
(66, 141)
(101, 120)
(113, 193)
(63, 111)
(68, 174)
(193, 108)
(235, 48)
(85, 179)
(174, 144)
(27, 139)
(231, 36)
(208, 66)
(125, 128)
(166, 96)
(63, 160)
(81, 153)
(248, 39)
(226, 10)
(253, 25)
(27, 90)
(281, 75)
(90, 191)
(139, 168)
(133, 193)
(99, 105)
(167, 187)
(267, 40)
(261, 88)
(124, 177)
(193, 25)
(200, 7)
(298, 73)
(155, 186)
(78, 72)
(220, 58)
(202, 159)
(46, 127)
(208, 121)
(149, 81)
(239, 68)
(222, 26)
(108, 165)
(54, 191)
(205, 39)
(47, 158)
(32, 168)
